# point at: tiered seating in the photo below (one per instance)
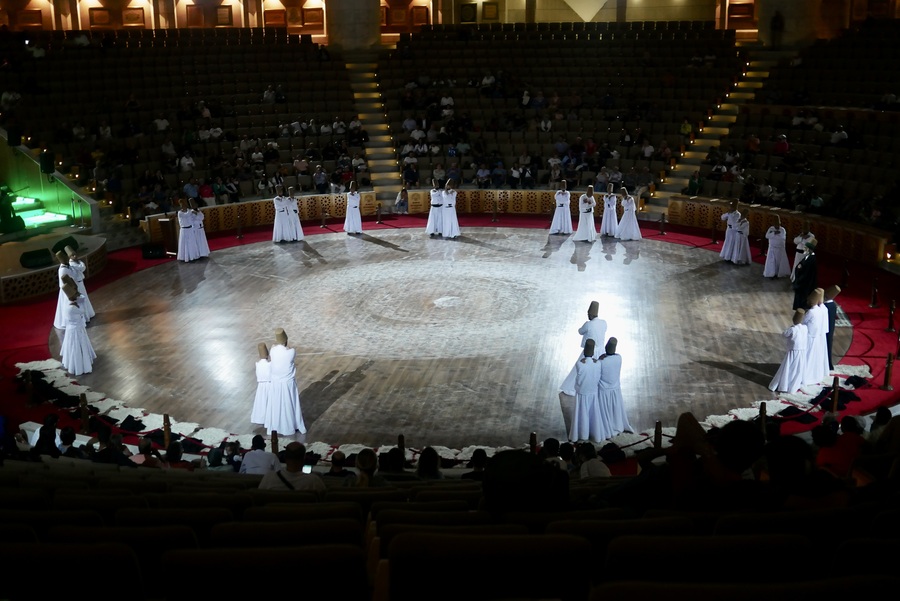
(859, 67)
(865, 167)
(169, 72)
(640, 79)
(391, 544)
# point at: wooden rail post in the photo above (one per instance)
(888, 368)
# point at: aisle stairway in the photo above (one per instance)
(369, 104)
(717, 125)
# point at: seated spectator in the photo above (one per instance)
(111, 449)
(477, 463)
(401, 204)
(549, 453)
(795, 480)
(147, 456)
(515, 176)
(837, 452)
(186, 162)
(366, 463)
(175, 458)
(320, 180)
(46, 443)
(483, 177)
(439, 175)
(498, 176)
(67, 446)
(839, 137)
(428, 466)
(161, 123)
(695, 184)
(781, 147)
(257, 460)
(293, 476)
(411, 175)
(591, 466)
(338, 472)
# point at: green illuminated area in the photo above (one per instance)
(34, 215)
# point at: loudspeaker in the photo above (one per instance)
(153, 251)
(35, 259)
(47, 161)
(62, 244)
(14, 135)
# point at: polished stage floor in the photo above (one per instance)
(452, 343)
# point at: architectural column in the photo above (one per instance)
(530, 10)
(353, 24)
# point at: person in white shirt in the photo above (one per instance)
(293, 477)
(257, 460)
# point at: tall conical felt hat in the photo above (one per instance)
(70, 251)
(70, 290)
(611, 345)
(816, 297)
(62, 257)
(831, 292)
(594, 309)
(263, 350)
(589, 348)
(798, 316)
(280, 336)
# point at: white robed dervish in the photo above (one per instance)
(562, 213)
(777, 263)
(593, 329)
(449, 220)
(816, 322)
(740, 253)
(263, 386)
(609, 395)
(293, 212)
(800, 242)
(187, 242)
(789, 376)
(59, 319)
(433, 227)
(353, 220)
(283, 414)
(628, 228)
(609, 223)
(77, 269)
(76, 353)
(200, 233)
(731, 219)
(587, 230)
(281, 231)
(586, 420)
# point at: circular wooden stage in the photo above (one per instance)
(452, 343)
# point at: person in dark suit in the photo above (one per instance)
(830, 293)
(805, 277)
